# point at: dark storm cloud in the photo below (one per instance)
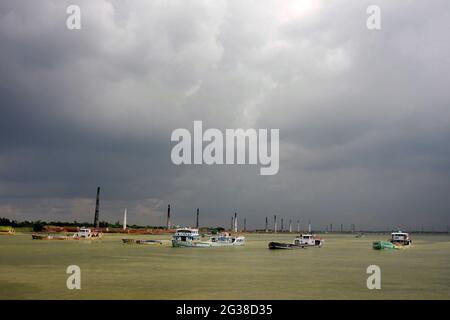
(364, 116)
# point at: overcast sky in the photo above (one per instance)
(364, 115)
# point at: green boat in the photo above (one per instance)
(379, 245)
(399, 240)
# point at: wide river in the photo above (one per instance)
(35, 269)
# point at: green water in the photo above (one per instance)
(33, 269)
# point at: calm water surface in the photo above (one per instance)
(32, 269)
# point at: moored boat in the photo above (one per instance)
(226, 239)
(82, 234)
(36, 236)
(188, 237)
(6, 230)
(142, 241)
(86, 233)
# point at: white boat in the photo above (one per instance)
(86, 233)
(400, 238)
(188, 237)
(309, 240)
(226, 239)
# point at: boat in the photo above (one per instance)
(141, 241)
(379, 245)
(8, 231)
(288, 246)
(186, 237)
(300, 242)
(86, 233)
(36, 236)
(82, 234)
(308, 240)
(189, 237)
(398, 240)
(226, 239)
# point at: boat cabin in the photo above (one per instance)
(86, 233)
(227, 238)
(309, 240)
(401, 238)
(186, 235)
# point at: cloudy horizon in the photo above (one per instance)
(363, 115)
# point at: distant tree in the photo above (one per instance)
(38, 226)
(103, 224)
(5, 222)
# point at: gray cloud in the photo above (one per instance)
(364, 116)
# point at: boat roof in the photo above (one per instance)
(399, 233)
(187, 230)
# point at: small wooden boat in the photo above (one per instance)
(82, 234)
(140, 241)
(8, 231)
(49, 237)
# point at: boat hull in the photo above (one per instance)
(52, 237)
(190, 244)
(205, 244)
(143, 242)
(49, 237)
(285, 246)
(380, 245)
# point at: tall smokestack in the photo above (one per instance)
(331, 227)
(97, 209)
(232, 223)
(125, 219)
(309, 226)
(196, 222)
(282, 227)
(267, 225)
(235, 222)
(245, 224)
(290, 225)
(275, 223)
(298, 226)
(168, 216)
